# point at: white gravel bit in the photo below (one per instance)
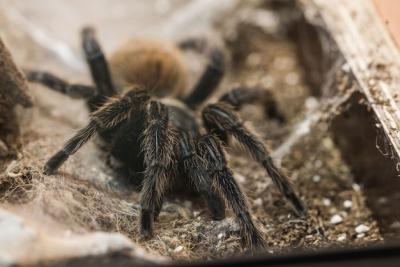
(221, 235)
(258, 202)
(336, 219)
(316, 178)
(318, 163)
(362, 228)
(361, 235)
(326, 202)
(356, 187)
(311, 103)
(347, 204)
(178, 249)
(342, 238)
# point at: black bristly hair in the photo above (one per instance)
(195, 168)
(160, 143)
(222, 177)
(107, 117)
(209, 81)
(239, 96)
(221, 117)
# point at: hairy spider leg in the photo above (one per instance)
(221, 117)
(239, 96)
(159, 140)
(99, 70)
(211, 151)
(197, 44)
(61, 86)
(209, 80)
(110, 114)
(97, 62)
(193, 166)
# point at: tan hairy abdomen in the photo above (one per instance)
(156, 65)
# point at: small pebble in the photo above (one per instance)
(316, 178)
(221, 235)
(362, 228)
(178, 249)
(328, 143)
(347, 204)
(262, 186)
(326, 202)
(196, 213)
(336, 219)
(342, 237)
(372, 82)
(360, 235)
(311, 103)
(240, 178)
(318, 163)
(258, 202)
(356, 187)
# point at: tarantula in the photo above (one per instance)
(139, 111)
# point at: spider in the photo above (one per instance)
(151, 128)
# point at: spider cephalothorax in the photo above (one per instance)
(158, 141)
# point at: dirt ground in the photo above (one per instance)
(86, 196)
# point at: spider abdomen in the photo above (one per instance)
(156, 65)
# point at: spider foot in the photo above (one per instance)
(55, 162)
(257, 243)
(253, 240)
(298, 205)
(216, 206)
(146, 224)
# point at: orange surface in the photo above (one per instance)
(389, 11)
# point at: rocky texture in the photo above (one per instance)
(13, 91)
(24, 242)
